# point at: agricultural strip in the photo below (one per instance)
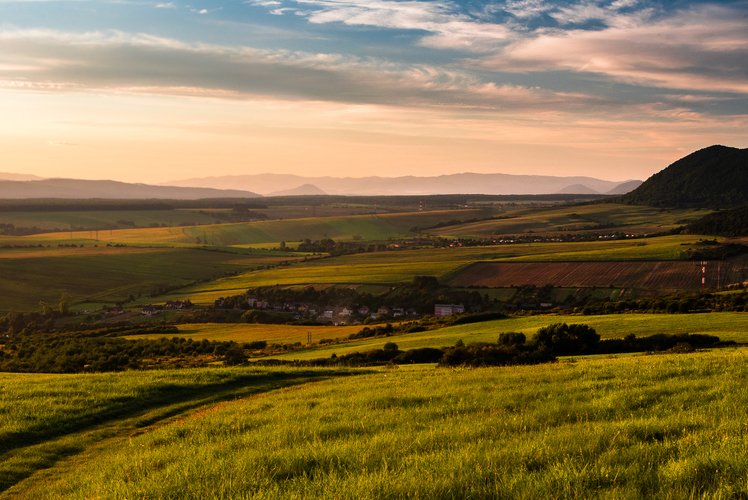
(603, 217)
(401, 266)
(662, 276)
(657, 427)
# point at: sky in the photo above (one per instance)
(154, 91)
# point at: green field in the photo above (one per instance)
(666, 426)
(625, 218)
(101, 274)
(725, 325)
(401, 266)
(270, 233)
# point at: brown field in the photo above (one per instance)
(665, 277)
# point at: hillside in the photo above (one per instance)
(713, 177)
(81, 189)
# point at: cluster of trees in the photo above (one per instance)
(689, 302)
(74, 353)
(723, 223)
(558, 339)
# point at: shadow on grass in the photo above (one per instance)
(152, 404)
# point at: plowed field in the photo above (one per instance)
(664, 276)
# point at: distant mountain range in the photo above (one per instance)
(81, 189)
(4, 176)
(467, 183)
(713, 177)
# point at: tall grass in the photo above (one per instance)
(640, 427)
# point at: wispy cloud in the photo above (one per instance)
(700, 49)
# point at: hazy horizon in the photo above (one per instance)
(157, 91)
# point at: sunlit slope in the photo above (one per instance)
(401, 266)
(108, 274)
(658, 427)
(725, 325)
(604, 216)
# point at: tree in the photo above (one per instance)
(66, 300)
(46, 309)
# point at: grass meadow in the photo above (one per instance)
(725, 325)
(101, 274)
(659, 426)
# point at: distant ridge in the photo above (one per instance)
(304, 190)
(577, 189)
(5, 176)
(712, 177)
(465, 183)
(625, 187)
(83, 189)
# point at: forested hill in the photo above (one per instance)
(713, 177)
(725, 223)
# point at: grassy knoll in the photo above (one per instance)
(637, 427)
(281, 334)
(108, 274)
(725, 325)
(49, 418)
(627, 218)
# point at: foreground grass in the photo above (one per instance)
(48, 418)
(638, 427)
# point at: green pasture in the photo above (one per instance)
(725, 325)
(93, 219)
(101, 274)
(659, 427)
(626, 218)
(49, 419)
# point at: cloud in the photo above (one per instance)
(699, 49)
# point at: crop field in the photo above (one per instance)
(726, 325)
(109, 274)
(628, 218)
(664, 426)
(271, 233)
(663, 276)
(401, 266)
(95, 218)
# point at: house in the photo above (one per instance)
(328, 313)
(398, 311)
(252, 302)
(447, 309)
(114, 311)
(178, 304)
(412, 313)
(384, 310)
(363, 310)
(149, 310)
(347, 311)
